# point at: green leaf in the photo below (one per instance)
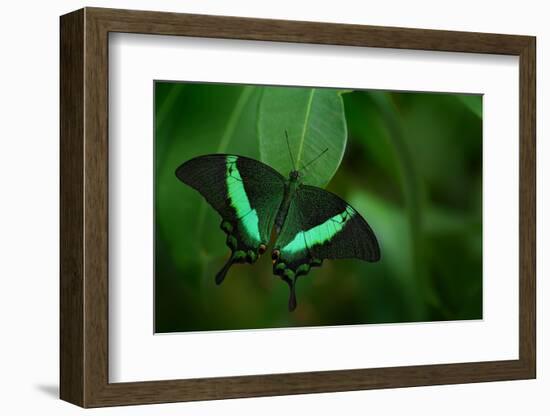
(315, 121)
(412, 186)
(390, 223)
(474, 102)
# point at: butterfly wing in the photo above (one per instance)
(247, 195)
(320, 225)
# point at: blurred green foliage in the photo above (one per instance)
(412, 166)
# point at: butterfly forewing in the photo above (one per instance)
(246, 193)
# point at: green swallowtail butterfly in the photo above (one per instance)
(310, 223)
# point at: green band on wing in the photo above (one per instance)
(239, 200)
(319, 234)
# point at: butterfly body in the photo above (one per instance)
(309, 223)
(291, 186)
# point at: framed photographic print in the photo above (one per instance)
(256, 207)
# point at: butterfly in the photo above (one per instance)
(253, 199)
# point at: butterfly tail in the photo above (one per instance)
(292, 297)
(220, 276)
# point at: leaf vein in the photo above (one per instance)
(304, 129)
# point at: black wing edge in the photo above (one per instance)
(181, 168)
(359, 221)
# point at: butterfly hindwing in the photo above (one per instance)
(247, 195)
(320, 225)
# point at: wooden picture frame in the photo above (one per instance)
(84, 207)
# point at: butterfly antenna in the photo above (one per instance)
(289, 151)
(315, 159)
